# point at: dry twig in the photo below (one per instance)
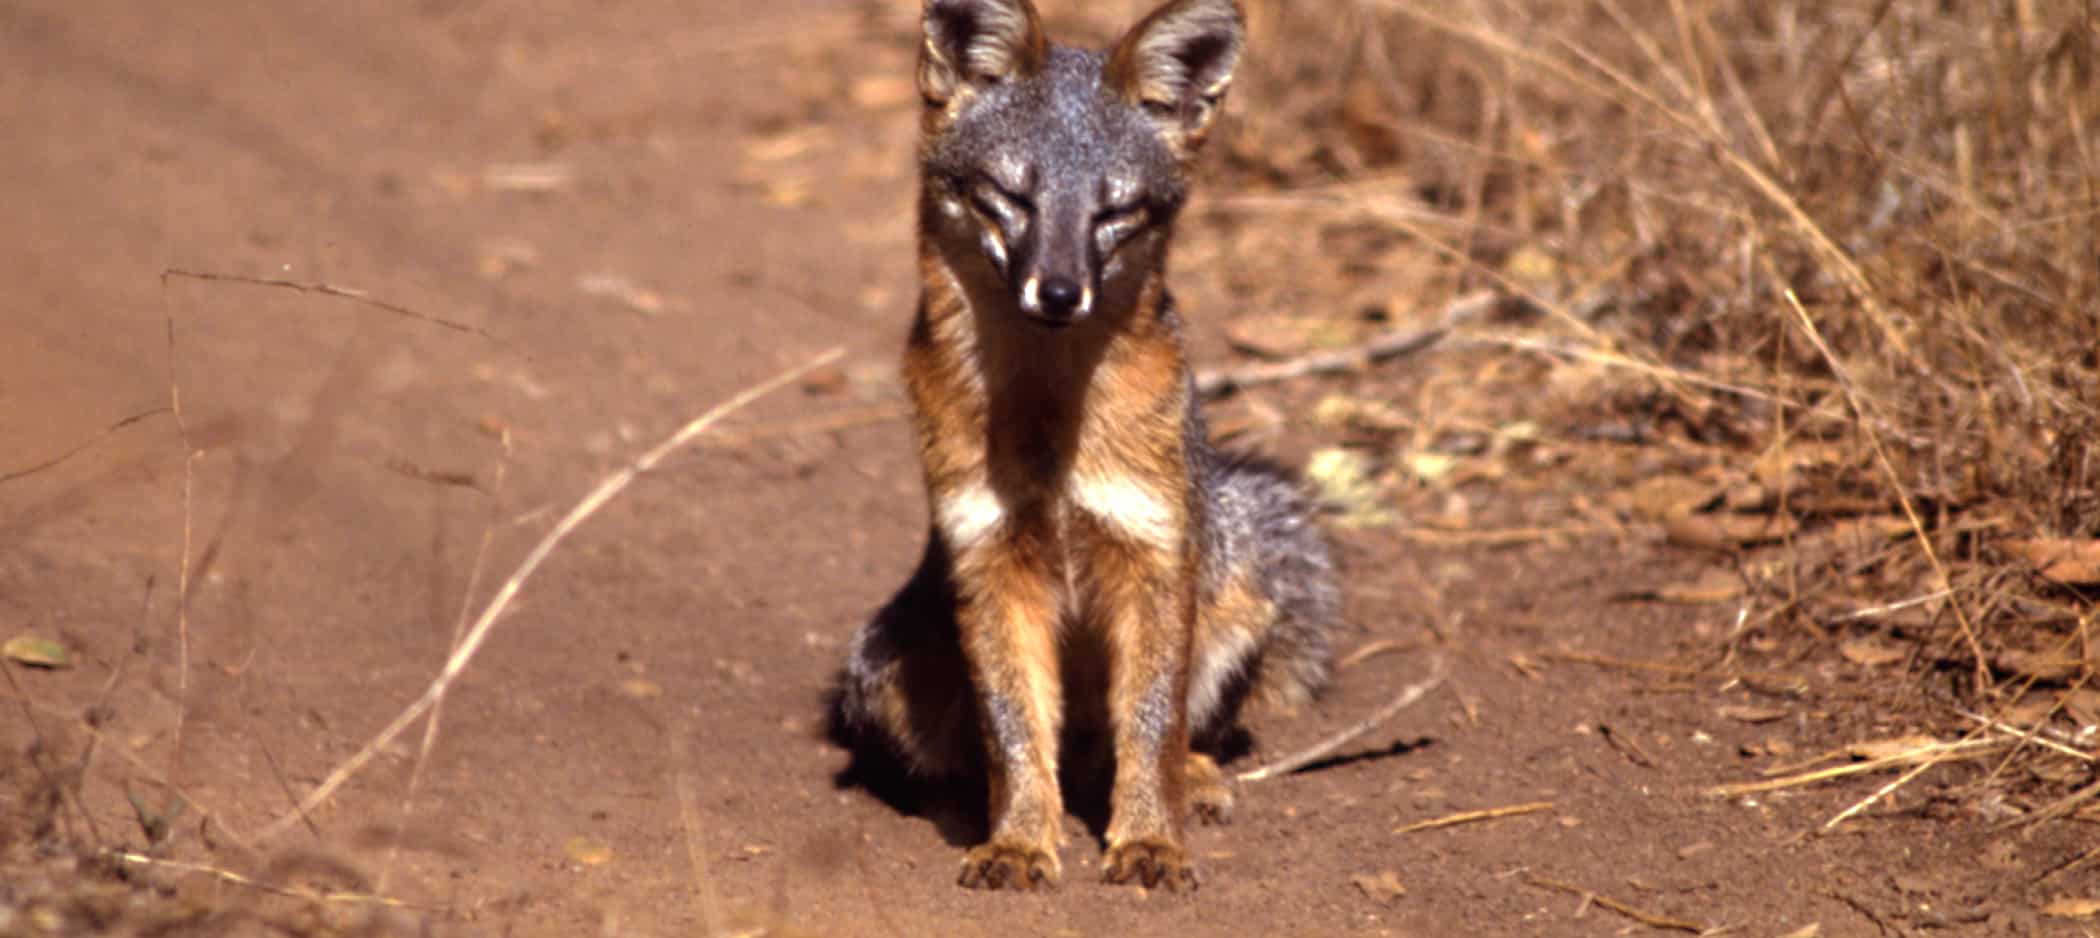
(329, 289)
(229, 876)
(1928, 754)
(1888, 468)
(1304, 757)
(456, 664)
(6, 477)
(1650, 919)
(695, 852)
(1483, 814)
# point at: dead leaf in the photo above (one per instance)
(628, 293)
(528, 177)
(1810, 930)
(2083, 705)
(880, 92)
(1285, 336)
(1872, 652)
(1530, 266)
(1891, 748)
(1750, 496)
(1660, 498)
(787, 144)
(2028, 711)
(1343, 479)
(588, 852)
(1713, 586)
(2039, 665)
(1726, 531)
(825, 381)
(2064, 560)
(1430, 467)
(641, 688)
(1747, 714)
(1777, 468)
(787, 191)
(2072, 908)
(1383, 887)
(1336, 410)
(1869, 531)
(36, 652)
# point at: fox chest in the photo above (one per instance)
(976, 514)
(1025, 479)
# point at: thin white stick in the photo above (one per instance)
(457, 663)
(1320, 750)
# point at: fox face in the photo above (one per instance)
(1052, 174)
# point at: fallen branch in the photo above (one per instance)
(1218, 382)
(456, 664)
(1320, 750)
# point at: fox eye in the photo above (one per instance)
(1003, 207)
(1115, 225)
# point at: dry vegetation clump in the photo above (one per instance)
(1839, 257)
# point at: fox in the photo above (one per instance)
(1095, 568)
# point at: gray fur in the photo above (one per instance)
(1084, 185)
(1259, 516)
(1082, 154)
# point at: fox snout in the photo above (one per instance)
(1056, 300)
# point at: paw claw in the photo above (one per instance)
(1151, 862)
(1008, 866)
(1212, 807)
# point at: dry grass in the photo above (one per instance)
(1862, 229)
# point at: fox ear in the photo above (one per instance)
(1177, 63)
(972, 44)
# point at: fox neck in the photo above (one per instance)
(1039, 387)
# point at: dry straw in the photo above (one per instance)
(1865, 227)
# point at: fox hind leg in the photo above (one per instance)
(904, 701)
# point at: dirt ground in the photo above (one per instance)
(606, 218)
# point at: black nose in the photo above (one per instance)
(1060, 297)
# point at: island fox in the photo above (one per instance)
(1094, 564)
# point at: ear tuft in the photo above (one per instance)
(973, 44)
(1177, 63)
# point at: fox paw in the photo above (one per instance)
(1152, 862)
(1008, 866)
(1212, 803)
(1210, 796)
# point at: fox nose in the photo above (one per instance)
(1061, 298)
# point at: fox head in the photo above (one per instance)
(1055, 173)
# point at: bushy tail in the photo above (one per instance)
(1262, 510)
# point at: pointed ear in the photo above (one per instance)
(1176, 64)
(972, 44)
